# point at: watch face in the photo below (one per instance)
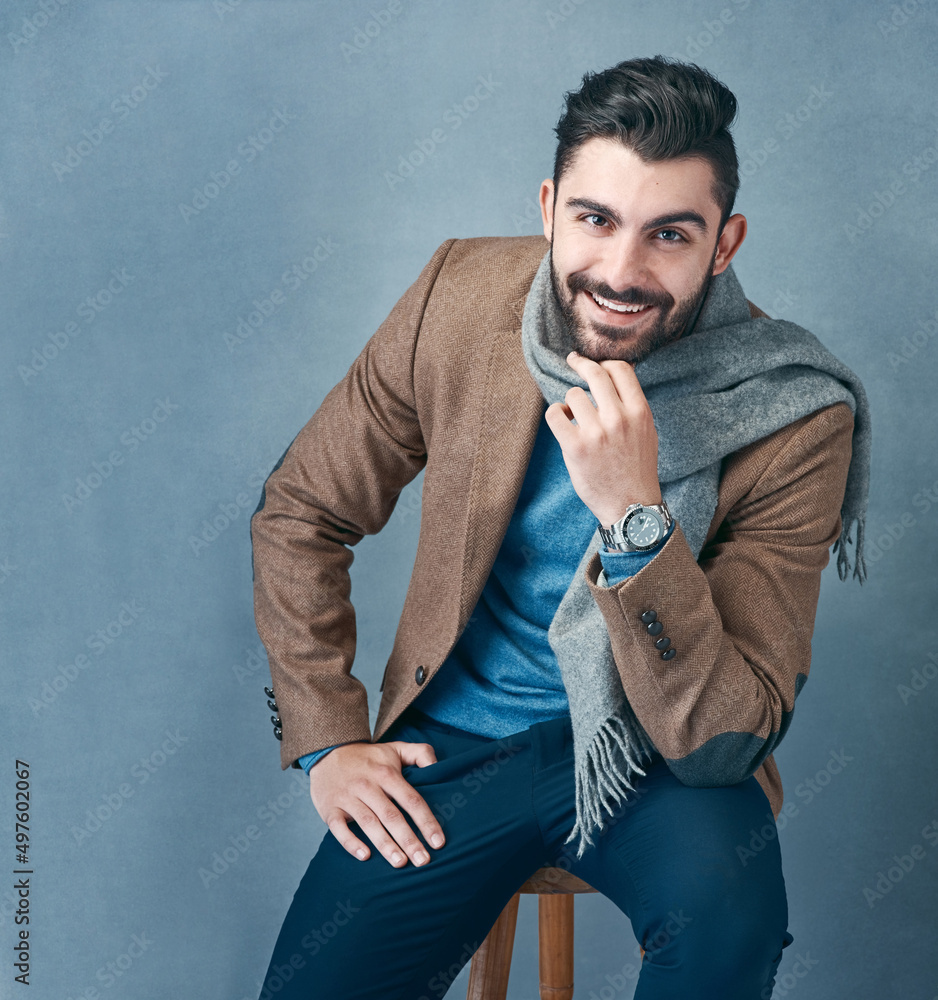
(643, 528)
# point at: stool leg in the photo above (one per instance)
(555, 945)
(491, 964)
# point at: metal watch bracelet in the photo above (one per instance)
(616, 538)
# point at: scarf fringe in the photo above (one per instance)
(599, 778)
(840, 547)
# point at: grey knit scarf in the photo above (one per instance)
(731, 381)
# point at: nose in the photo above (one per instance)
(624, 263)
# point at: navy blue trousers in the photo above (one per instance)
(712, 926)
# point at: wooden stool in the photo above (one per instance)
(488, 973)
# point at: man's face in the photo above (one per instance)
(633, 248)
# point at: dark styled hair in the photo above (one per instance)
(661, 109)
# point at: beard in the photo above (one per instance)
(604, 342)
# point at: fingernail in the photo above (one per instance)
(396, 858)
(361, 853)
(421, 858)
(437, 840)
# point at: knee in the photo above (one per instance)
(727, 922)
(727, 953)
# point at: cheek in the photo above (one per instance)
(575, 256)
(683, 279)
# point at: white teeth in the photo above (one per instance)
(616, 306)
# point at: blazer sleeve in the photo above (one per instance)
(740, 620)
(338, 481)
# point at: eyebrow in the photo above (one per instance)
(688, 216)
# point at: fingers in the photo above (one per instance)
(420, 754)
(611, 452)
(380, 814)
(558, 417)
(367, 787)
(596, 377)
(338, 827)
(610, 382)
(619, 402)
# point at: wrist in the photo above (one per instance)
(641, 528)
(608, 516)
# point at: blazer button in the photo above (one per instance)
(421, 675)
(662, 643)
(655, 628)
(269, 692)
(669, 654)
(650, 616)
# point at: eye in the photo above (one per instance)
(670, 236)
(596, 221)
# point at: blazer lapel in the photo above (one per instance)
(510, 416)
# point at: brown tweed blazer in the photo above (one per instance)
(443, 385)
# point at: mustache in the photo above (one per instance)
(631, 296)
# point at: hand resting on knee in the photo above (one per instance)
(363, 782)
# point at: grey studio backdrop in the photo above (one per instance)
(206, 210)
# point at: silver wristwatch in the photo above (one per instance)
(639, 529)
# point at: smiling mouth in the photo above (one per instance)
(617, 307)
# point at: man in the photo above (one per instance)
(611, 608)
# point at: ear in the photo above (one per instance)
(731, 239)
(547, 207)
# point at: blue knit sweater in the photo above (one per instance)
(502, 675)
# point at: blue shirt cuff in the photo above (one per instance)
(619, 566)
(308, 759)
